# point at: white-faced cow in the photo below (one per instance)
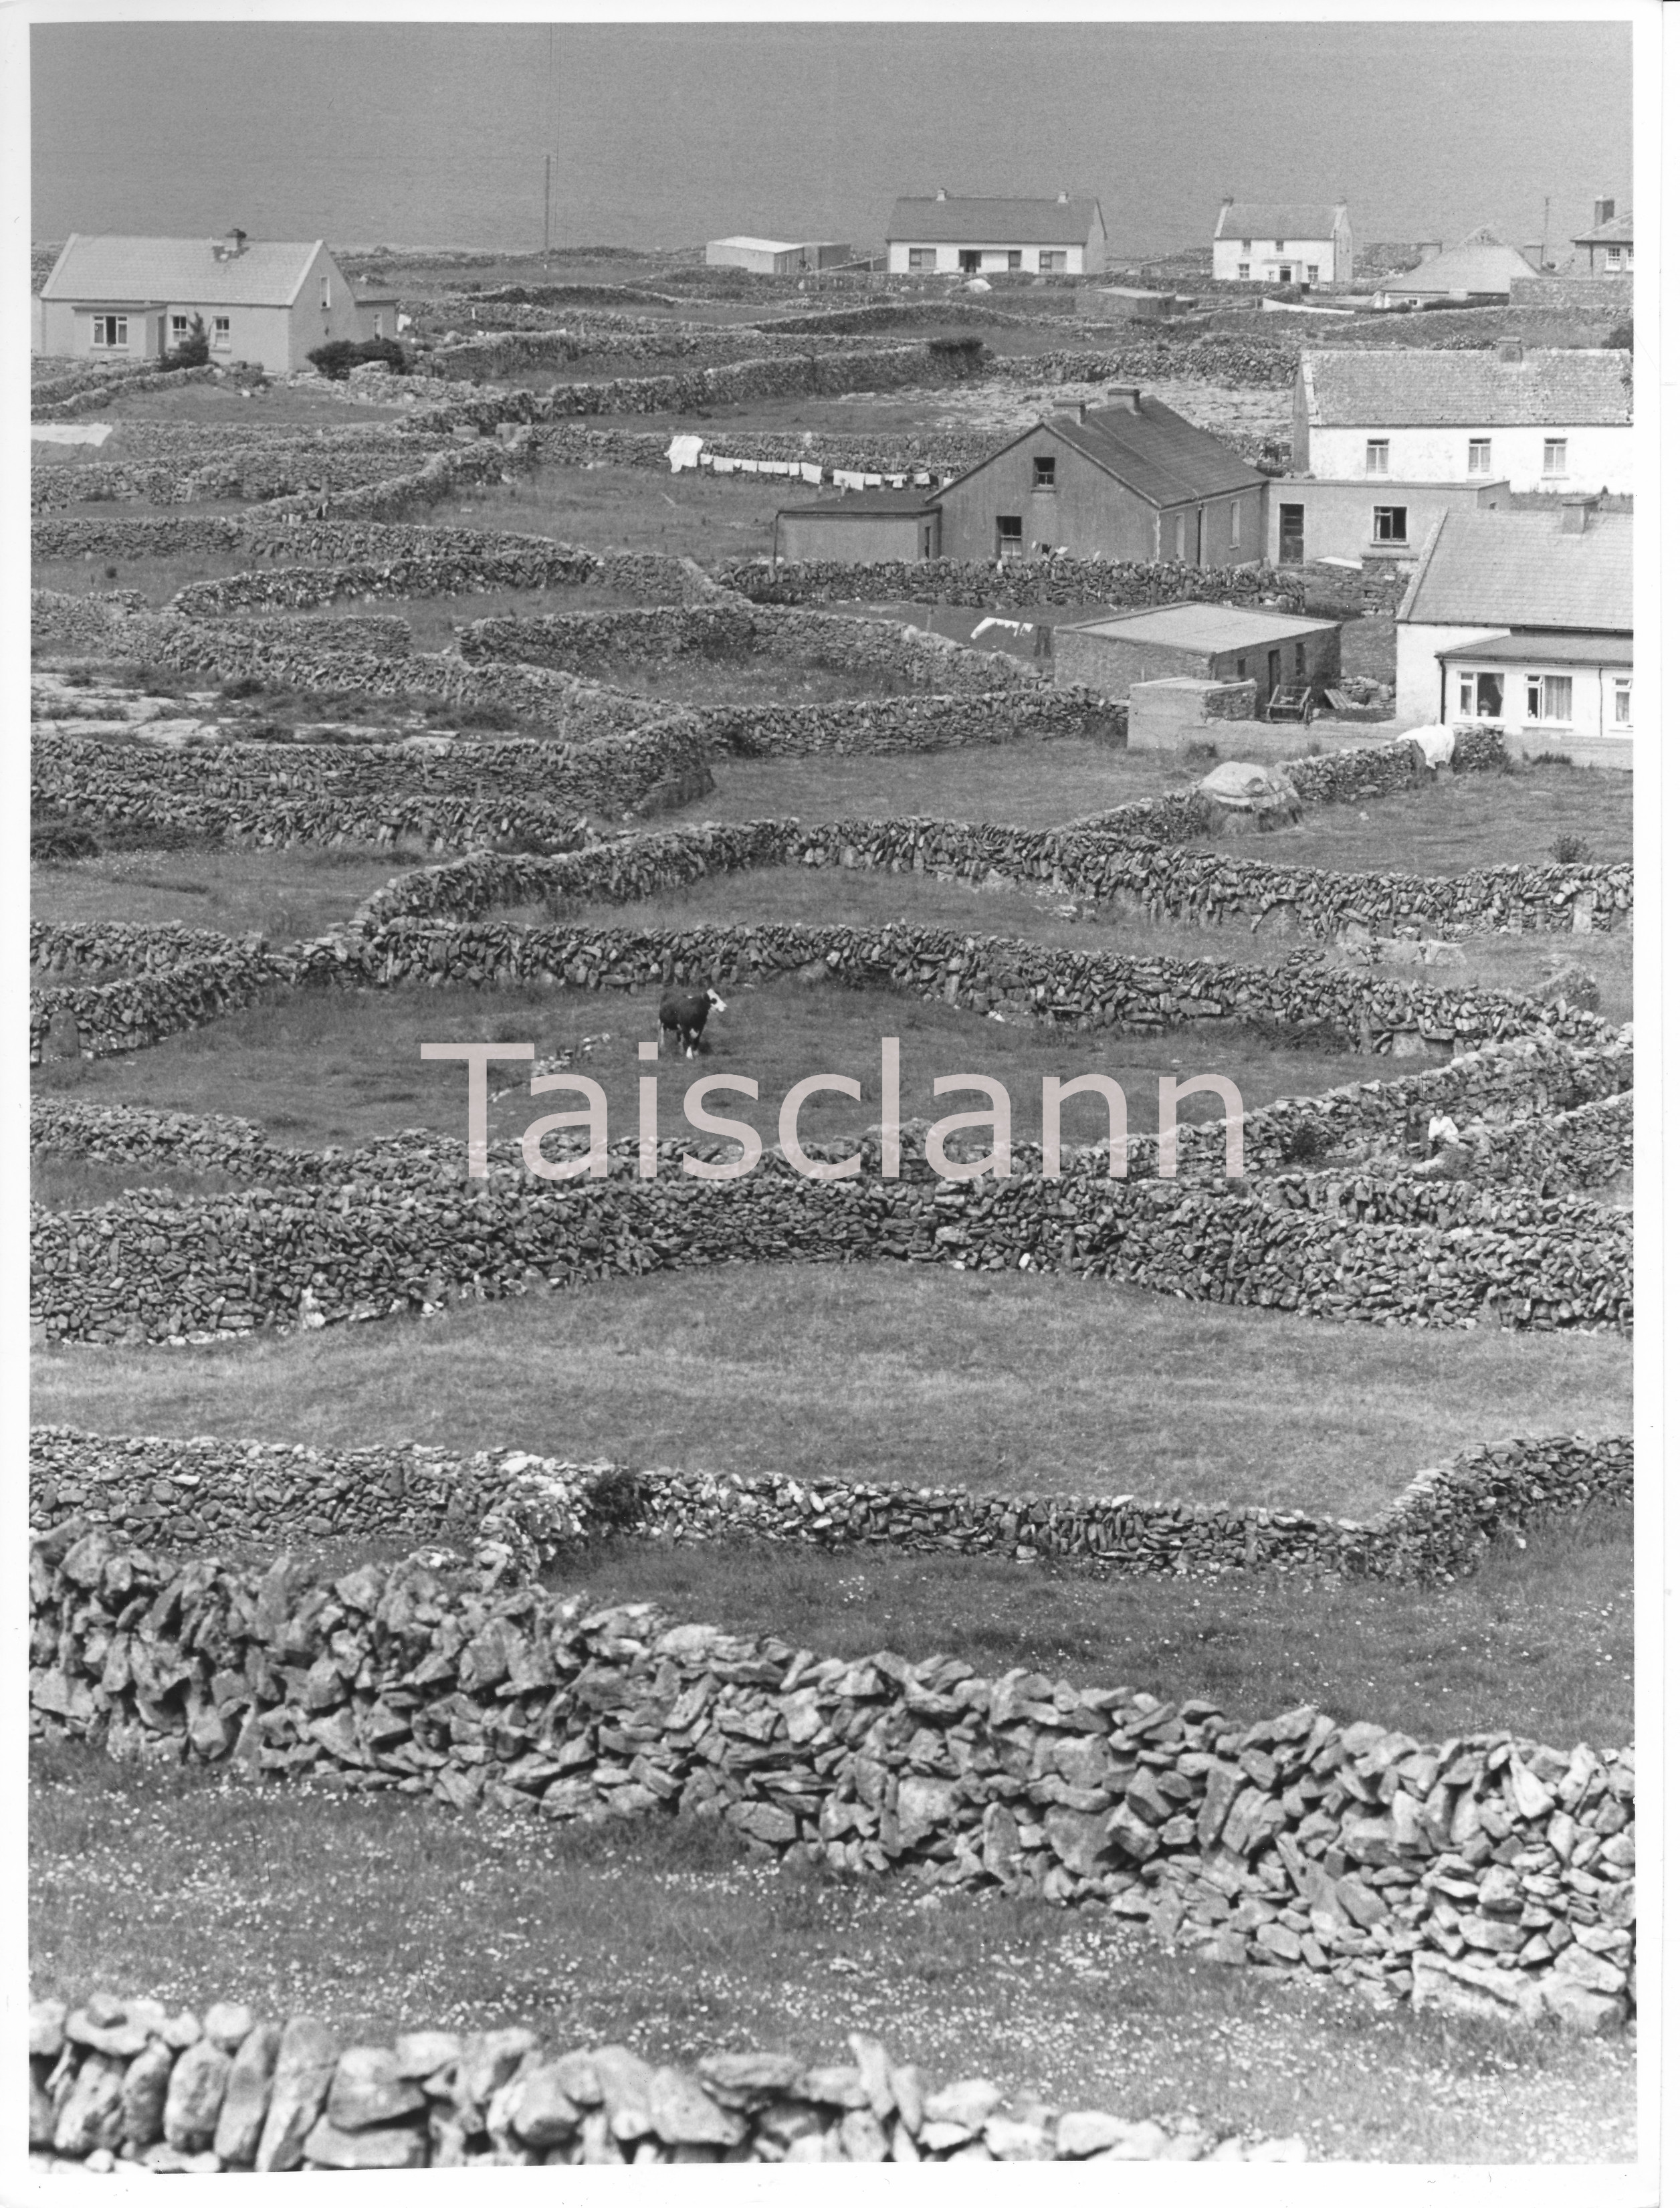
(683, 1013)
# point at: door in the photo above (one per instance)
(968, 263)
(1273, 671)
(1290, 536)
(1198, 535)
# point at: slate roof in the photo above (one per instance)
(181, 270)
(1156, 453)
(1264, 219)
(992, 222)
(1402, 388)
(1487, 568)
(1196, 627)
(1593, 648)
(859, 505)
(1481, 262)
(1618, 230)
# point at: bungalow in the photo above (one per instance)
(261, 301)
(1608, 246)
(1525, 619)
(943, 236)
(1539, 421)
(1128, 481)
(1477, 271)
(774, 256)
(1264, 242)
(868, 525)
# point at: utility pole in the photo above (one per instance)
(1545, 226)
(547, 161)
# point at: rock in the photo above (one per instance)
(1084, 2132)
(302, 2072)
(145, 2088)
(1259, 796)
(1139, 2142)
(422, 2053)
(228, 2024)
(924, 1805)
(1584, 1968)
(1579, 2008)
(386, 2146)
(368, 2088)
(751, 2076)
(862, 2137)
(683, 2115)
(46, 2027)
(245, 2103)
(969, 2102)
(1007, 2141)
(626, 2080)
(91, 2114)
(1293, 2149)
(543, 2113)
(195, 2098)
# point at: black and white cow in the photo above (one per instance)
(684, 1012)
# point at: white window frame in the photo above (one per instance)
(1242, 271)
(1377, 456)
(1622, 702)
(1470, 680)
(379, 323)
(1312, 272)
(1236, 524)
(1481, 461)
(221, 334)
(1613, 257)
(1181, 534)
(1555, 457)
(922, 256)
(1394, 536)
(1052, 261)
(103, 339)
(179, 326)
(326, 295)
(1543, 694)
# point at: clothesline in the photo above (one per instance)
(688, 451)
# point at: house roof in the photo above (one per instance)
(1198, 627)
(1618, 230)
(1154, 453)
(1401, 388)
(183, 270)
(859, 505)
(993, 222)
(1489, 567)
(1593, 649)
(1481, 262)
(1275, 219)
(760, 244)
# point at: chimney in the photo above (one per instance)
(940, 194)
(1061, 198)
(1429, 250)
(1510, 353)
(1574, 515)
(1603, 211)
(1127, 395)
(1078, 407)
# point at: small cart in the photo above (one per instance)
(1291, 701)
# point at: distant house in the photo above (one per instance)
(1476, 271)
(944, 236)
(264, 301)
(1273, 241)
(773, 256)
(1607, 249)
(1130, 302)
(1218, 644)
(1128, 481)
(1539, 421)
(868, 524)
(1524, 620)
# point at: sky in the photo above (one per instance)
(664, 134)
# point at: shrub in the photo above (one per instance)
(62, 839)
(1306, 1144)
(1552, 759)
(616, 1503)
(339, 355)
(1200, 752)
(1572, 851)
(241, 686)
(193, 349)
(1621, 339)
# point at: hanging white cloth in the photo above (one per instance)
(810, 472)
(1436, 744)
(684, 453)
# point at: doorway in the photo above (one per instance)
(1290, 536)
(1273, 671)
(968, 263)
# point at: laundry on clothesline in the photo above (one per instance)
(684, 453)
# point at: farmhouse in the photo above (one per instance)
(943, 236)
(1551, 421)
(1479, 271)
(774, 256)
(1211, 643)
(264, 301)
(1128, 481)
(1607, 249)
(869, 525)
(1525, 620)
(1269, 241)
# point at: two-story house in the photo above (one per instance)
(263, 301)
(1607, 249)
(1267, 241)
(948, 236)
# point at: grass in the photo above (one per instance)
(1459, 822)
(635, 509)
(343, 1066)
(72, 1183)
(287, 894)
(1014, 1383)
(696, 679)
(382, 1913)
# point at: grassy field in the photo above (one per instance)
(322, 1066)
(1011, 1384)
(709, 519)
(1029, 785)
(1459, 822)
(380, 1914)
(286, 894)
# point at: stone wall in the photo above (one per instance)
(121, 2083)
(1486, 1873)
(1016, 583)
(183, 1495)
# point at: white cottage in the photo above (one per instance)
(947, 236)
(1274, 241)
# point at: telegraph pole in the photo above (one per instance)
(547, 161)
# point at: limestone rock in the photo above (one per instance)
(194, 2102)
(245, 2104)
(304, 2070)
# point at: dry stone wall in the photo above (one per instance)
(1016, 583)
(1486, 1872)
(116, 2084)
(184, 1495)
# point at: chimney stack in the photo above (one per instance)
(231, 246)
(1510, 353)
(1078, 407)
(1061, 198)
(940, 194)
(1574, 515)
(1128, 395)
(1603, 211)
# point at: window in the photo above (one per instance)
(177, 328)
(1008, 536)
(1014, 259)
(1377, 456)
(1388, 524)
(1290, 536)
(1481, 456)
(1278, 244)
(111, 331)
(1480, 697)
(1053, 264)
(1044, 474)
(221, 334)
(1621, 703)
(1555, 459)
(326, 293)
(379, 323)
(1613, 257)
(1286, 275)
(1242, 271)
(1312, 272)
(1236, 523)
(924, 256)
(1242, 669)
(1248, 245)
(1551, 698)
(1300, 659)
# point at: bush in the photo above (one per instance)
(1572, 851)
(62, 839)
(193, 349)
(1621, 339)
(1306, 1144)
(336, 358)
(241, 686)
(615, 1502)
(1552, 759)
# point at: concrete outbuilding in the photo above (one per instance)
(1225, 644)
(869, 525)
(775, 256)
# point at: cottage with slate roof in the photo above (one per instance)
(1478, 271)
(947, 236)
(1524, 620)
(1131, 480)
(1539, 421)
(266, 302)
(1274, 241)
